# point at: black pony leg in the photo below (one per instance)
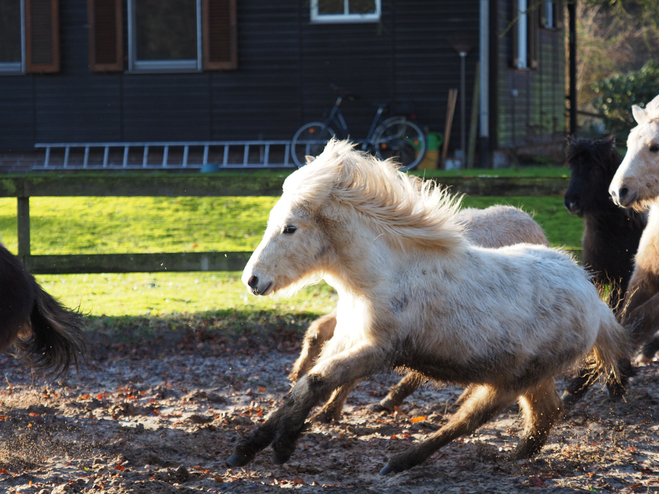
(617, 388)
(585, 378)
(578, 387)
(650, 348)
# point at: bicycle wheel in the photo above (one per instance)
(402, 140)
(309, 140)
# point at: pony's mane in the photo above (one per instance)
(599, 152)
(403, 208)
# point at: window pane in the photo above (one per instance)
(362, 6)
(166, 29)
(10, 31)
(326, 7)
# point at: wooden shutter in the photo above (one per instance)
(106, 38)
(220, 34)
(42, 35)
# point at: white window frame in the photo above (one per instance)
(522, 35)
(17, 68)
(150, 66)
(346, 17)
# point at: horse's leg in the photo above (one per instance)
(586, 377)
(333, 408)
(541, 407)
(643, 320)
(649, 349)
(319, 332)
(578, 386)
(405, 387)
(480, 404)
(284, 425)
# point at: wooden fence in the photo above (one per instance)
(198, 185)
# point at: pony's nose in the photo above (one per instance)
(253, 282)
(622, 192)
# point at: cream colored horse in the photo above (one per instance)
(496, 226)
(636, 185)
(413, 293)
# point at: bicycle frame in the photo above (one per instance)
(336, 117)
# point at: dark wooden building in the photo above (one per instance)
(197, 70)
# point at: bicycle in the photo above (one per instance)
(393, 137)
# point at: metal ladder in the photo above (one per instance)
(171, 155)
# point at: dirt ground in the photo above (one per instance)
(162, 415)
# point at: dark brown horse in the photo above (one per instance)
(46, 334)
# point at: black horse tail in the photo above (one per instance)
(46, 334)
(57, 339)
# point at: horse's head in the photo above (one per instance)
(592, 166)
(637, 180)
(295, 245)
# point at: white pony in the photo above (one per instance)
(495, 226)
(636, 185)
(413, 293)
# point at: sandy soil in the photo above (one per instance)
(162, 415)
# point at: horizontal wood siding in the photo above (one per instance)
(286, 65)
(261, 98)
(427, 65)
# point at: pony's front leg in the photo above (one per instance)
(342, 369)
(285, 424)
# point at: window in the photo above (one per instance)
(29, 36)
(525, 35)
(163, 35)
(12, 43)
(336, 11)
(551, 16)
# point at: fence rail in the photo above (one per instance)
(197, 185)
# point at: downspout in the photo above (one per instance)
(484, 84)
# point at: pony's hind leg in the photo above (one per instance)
(541, 407)
(319, 332)
(333, 408)
(480, 404)
(398, 392)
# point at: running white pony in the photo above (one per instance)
(415, 294)
(636, 185)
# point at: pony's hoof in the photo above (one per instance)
(388, 404)
(236, 460)
(569, 400)
(387, 470)
(279, 459)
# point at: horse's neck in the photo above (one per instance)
(648, 248)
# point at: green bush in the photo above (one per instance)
(615, 96)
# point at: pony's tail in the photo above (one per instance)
(611, 353)
(57, 338)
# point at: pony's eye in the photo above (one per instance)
(289, 230)
(654, 148)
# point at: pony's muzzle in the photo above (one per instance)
(623, 196)
(257, 286)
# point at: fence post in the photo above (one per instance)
(23, 204)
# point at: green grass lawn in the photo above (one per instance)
(96, 225)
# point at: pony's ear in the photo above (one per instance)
(310, 159)
(640, 115)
